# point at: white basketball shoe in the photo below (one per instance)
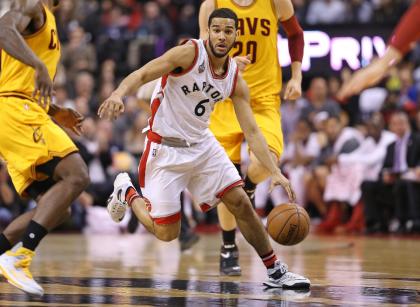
(116, 203)
(280, 277)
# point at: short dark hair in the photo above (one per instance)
(224, 13)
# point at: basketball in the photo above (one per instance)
(288, 224)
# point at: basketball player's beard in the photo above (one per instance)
(215, 53)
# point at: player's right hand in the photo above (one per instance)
(111, 108)
(278, 179)
(242, 61)
(43, 86)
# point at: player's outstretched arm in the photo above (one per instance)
(254, 137)
(370, 75)
(178, 57)
(405, 34)
(12, 24)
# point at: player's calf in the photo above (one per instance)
(125, 195)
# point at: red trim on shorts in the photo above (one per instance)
(205, 207)
(168, 219)
(229, 187)
(185, 71)
(142, 164)
(154, 137)
(235, 81)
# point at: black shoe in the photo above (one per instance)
(188, 240)
(229, 260)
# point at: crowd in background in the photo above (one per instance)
(334, 150)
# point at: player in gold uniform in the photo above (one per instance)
(41, 159)
(256, 52)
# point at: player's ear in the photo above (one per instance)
(236, 34)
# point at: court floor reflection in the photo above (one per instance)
(138, 270)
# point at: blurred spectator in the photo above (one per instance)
(389, 11)
(322, 182)
(84, 94)
(153, 37)
(326, 12)
(298, 157)
(108, 70)
(78, 54)
(300, 9)
(318, 100)
(290, 113)
(187, 21)
(112, 41)
(360, 11)
(134, 138)
(62, 97)
(397, 190)
(66, 17)
(417, 125)
(408, 98)
(363, 164)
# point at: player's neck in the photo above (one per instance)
(217, 63)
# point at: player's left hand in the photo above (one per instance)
(278, 179)
(293, 90)
(70, 119)
(111, 108)
(242, 61)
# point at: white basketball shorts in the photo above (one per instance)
(204, 169)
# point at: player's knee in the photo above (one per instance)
(241, 207)
(80, 179)
(166, 236)
(167, 233)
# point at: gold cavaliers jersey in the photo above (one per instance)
(17, 78)
(258, 27)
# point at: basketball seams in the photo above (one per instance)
(298, 225)
(284, 225)
(274, 216)
(293, 226)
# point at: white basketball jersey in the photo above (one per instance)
(182, 103)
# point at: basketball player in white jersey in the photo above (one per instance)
(181, 152)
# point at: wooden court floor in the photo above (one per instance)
(137, 270)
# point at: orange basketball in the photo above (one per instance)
(288, 224)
